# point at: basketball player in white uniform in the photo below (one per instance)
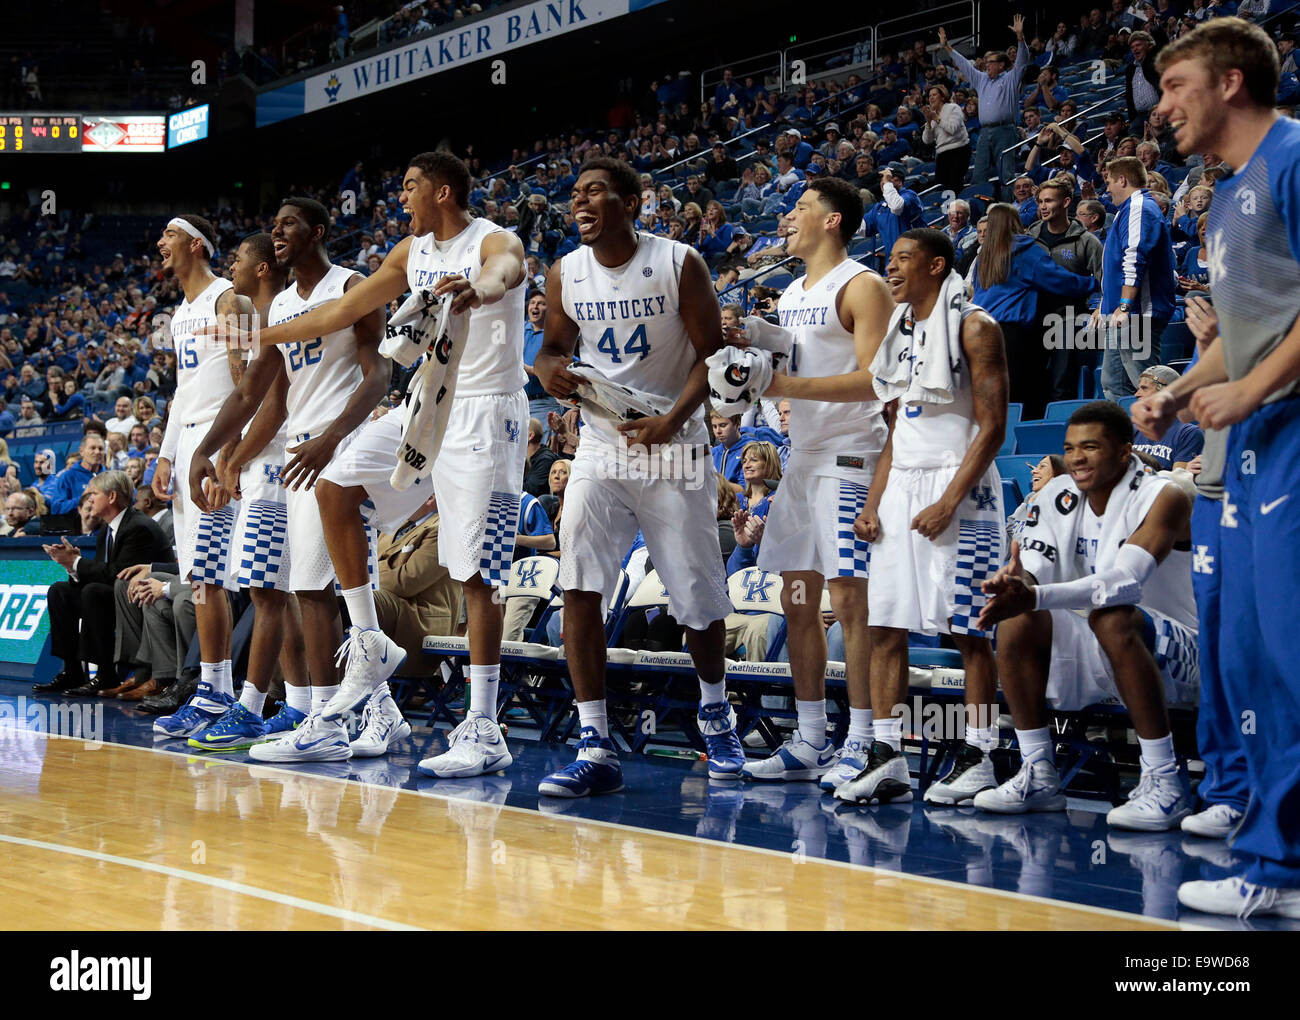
(206, 373)
(260, 551)
(476, 476)
(1114, 539)
(935, 522)
(644, 310)
(331, 383)
(838, 313)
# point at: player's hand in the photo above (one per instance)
(734, 336)
(1202, 320)
(469, 295)
(309, 460)
(162, 479)
(1014, 598)
(553, 373)
(1154, 414)
(1223, 404)
(657, 430)
(229, 472)
(933, 521)
(131, 573)
(1194, 465)
(203, 479)
(867, 525)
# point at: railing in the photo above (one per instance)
(761, 66)
(920, 21)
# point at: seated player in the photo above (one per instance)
(1112, 538)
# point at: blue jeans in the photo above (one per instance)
(1135, 350)
(991, 161)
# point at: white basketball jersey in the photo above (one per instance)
(822, 347)
(936, 435)
(493, 361)
(324, 371)
(630, 326)
(202, 363)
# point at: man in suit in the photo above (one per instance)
(416, 594)
(125, 539)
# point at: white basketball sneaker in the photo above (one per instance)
(1236, 897)
(1157, 803)
(849, 760)
(475, 747)
(970, 773)
(372, 657)
(317, 739)
(382, 726)
(796, 759)
(1216, 822)
(885, 780)
(1036, 787)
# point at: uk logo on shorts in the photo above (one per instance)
(512, 430)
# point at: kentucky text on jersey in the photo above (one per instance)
(627, 308)
(792, 318)
(427, 277)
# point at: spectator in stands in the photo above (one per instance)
(1181, 444)
(29, 383)
(961, 232)
(998, 90)
(20, 516)
(71, 482)
(1195, 273)
(1046, 91)
(1026, 203)
(721, 167)
(715, 234)
(115, 457)
(692, 216)
(123, 420)
(27, 415)
(1141, 79)
(890, 147)
(416, 594)
(1113, 134)
(1040, 474)
(1010, 271)
(1092, 214)
(945, 131)
(553, 501)
(145, 410)
(1138, 280)
(1188, 210)
(540, 457)
(82, 612)
(761, 466)
(899, 209)
(540, 403)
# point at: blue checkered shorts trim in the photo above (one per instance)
(212, 546)
(1176, 652)
(979, 555)
(853, 554)
(499, 532)
(262, 559)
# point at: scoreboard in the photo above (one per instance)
(40, 132)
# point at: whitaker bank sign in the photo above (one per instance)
(482, 39)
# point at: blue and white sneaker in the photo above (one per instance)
(315, 740)
(597, 769)
(382, 726)
(372, 657)
(717, 724)
(796, 759)
(204, 708)
(284, 720)
(1157, 803)
(474, 748)
(1036, 787)
(848, 762)
(237, 729)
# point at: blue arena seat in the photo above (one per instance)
(1040, 437)
(1014, 412)
(1060, 410)
(1012, 497)
(1018, 469)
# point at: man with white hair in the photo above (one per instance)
(959, 228)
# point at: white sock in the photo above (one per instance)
(812, 721)
(298, 698)
(889, 731)
(592, 713)
(712, 694)
(1158, 754)
(860, 724)
(983, 737)
(320, 695)
(361, 607)
(483, 682)
(217, 676)
(1036, 745)
(252, 699)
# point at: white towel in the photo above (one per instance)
(614, 401)
(412, 327)
(429, 396)
(928, 374)
(767, 336)
(737, 378)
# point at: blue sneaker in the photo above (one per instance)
(196, 715)
(237, 729)
(717, 724)
(284, 720)
(848, 762)
(597, 769)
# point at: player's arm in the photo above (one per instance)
(372, 294)
(702, 318)
(1154, 414)
(230, 303)
(503, 268)
(1220, 405)
(236, 412)
(867, 525)
(313, 456)
(266, 425)
(559, 339)
(865, 309)
(981, 339)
